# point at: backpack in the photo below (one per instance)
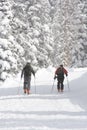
(27, 70)
(60, 73)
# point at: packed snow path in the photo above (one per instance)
(41, 112)
(45, 109)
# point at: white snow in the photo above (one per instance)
(44, 108)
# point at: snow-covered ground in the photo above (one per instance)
(44, 108)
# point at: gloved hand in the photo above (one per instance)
(66, 75)
(54, 77)
(21, 76)
(34, 74)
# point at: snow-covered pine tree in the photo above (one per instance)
(10, 50)
(79, 58)
(26, 32)
(62, 28)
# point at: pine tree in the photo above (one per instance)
(63, 32)
(27, 34)
(80, 48)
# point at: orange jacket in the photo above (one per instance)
(64, 70)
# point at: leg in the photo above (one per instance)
(25, 91)
(62, 86)
(28, 87)
(25, 87)
(25, 83)
(58, 86)
(27, 80)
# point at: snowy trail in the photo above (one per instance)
(40, 112)
(45, 110)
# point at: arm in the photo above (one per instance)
(32, 71)
(56, 72)
(65, 71)
(22, 73)
(55, 76)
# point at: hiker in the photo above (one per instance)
(59, 74)
(27, 71)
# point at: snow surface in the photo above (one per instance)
(44, 108)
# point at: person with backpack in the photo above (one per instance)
(27, 71)
(59, 74)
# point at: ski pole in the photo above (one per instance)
(19, 88)
(68, 84)
(52, 86)
(35, 85)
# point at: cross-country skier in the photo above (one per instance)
(59, 74)
(27, 71)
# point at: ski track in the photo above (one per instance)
(41, 112)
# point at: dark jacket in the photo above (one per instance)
(59, 73)
(27, 71)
